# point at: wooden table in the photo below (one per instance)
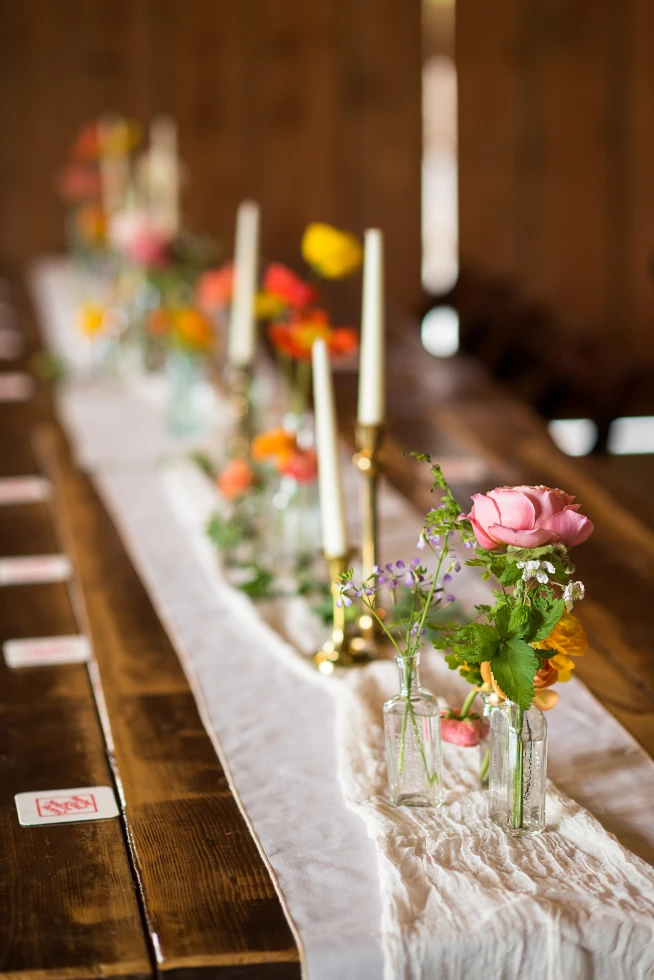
(176, 887)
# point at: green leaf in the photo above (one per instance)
(526, 554)
(519, 621)
(514, 668)
(476, 642)
(547, 621)
(501, 615)
(510, 575)
(203, 462)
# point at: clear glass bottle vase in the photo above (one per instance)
(518, 768)
(413, 741)
(484, 740)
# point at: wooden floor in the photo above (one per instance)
(175, 887)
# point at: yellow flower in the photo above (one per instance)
(92, 319)
(568, 639)
(267, 306)
(332, 253)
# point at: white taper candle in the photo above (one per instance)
(164, 173)
(371, 358)
(242, 324)
(332, 506)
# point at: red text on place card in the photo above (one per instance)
(16, 387)
(23, 490)
(43, 650)
(61, 806)
(65, 805)
(35, 568)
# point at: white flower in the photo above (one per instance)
(573, 592)
(536, 569)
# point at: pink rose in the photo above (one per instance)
(302, 465)
(144, 244)
(461, 731)
(527, 517)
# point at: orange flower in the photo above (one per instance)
(568, 639)
(543, 698)
(236, 479)
(78, 182)
(284, 284)
(296, 337)
(91, 223)
(158, 322)
(277, 444)
(193, 331)
(87, 143)
(215, 287)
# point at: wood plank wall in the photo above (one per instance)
(556, 165)
(311, 108)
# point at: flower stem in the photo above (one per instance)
(518, 814)
(483, 769)
(468, 703)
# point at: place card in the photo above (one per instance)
(65, 805)
(11, 344)
(15, 386)
(23, 490)
(30, 569)
(46, 650)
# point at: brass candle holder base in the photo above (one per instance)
(368, 460)
(346, 647)
(240, 408)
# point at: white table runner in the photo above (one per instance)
(285, 773)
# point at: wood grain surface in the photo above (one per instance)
(209, 899)
(175, 887)
(67, 896)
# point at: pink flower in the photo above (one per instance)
(527, 517)
(302, 465)
(461, 731)
(133, 233)
(282, 282)
(215, 288)
(236, 479)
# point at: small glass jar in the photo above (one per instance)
(413, 741)
(518, 769)
(484, 739)
(186, 412)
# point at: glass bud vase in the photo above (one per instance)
(484, 740)
(185, 409)
(518, 769)
(413, 741)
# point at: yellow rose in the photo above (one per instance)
(332, 253)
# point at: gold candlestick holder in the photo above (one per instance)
(346, 647)
(240, 408)
(368, 460)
